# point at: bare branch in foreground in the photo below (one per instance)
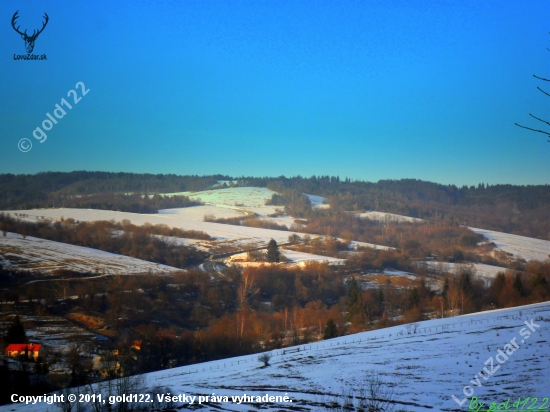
(534, 130)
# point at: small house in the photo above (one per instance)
(29, 350)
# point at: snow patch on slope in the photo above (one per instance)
(480, 269)
(520, 246)
(382, 216)
(36, 254)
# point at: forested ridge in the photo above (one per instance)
(51, 188)
(522, 210)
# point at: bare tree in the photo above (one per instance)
(265, 358)
(342, 402)
(376, 395)
(373, 395)
(453, 296)
(120, 386)
(66, 405)
(95, 403)
(78, 356)
(294, 238)
(547, 123)
(246, 289)
(159, 402)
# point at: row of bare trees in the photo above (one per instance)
(146, 242)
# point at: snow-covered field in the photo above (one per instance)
(197, 213)
(237, 202)
(250, 198)
(229, 235)
(355, 244)
(382, 216)
(293, 256)
(395, 272)
(232, 202)
(45, 255)
(219, 231)
(318, 202)
(427, 363)
(287, 221)
(398, 278)
(479, 269)
(520, 246)
(235, 196)
(300, 257)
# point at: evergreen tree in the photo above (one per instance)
(414, 298)
(273, 254)
(331, 330)
(445, 288)
(465, 283)
(16, 332)
(380, 300)
(355, 302)
(517, 284)
(354, 292)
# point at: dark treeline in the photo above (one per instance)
(521, 210)
(40, 190)
(250, 221)
(146, 242)
(526, 197)
(514, 209)
(133, 203)
(295, 202)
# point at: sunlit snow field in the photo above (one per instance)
(427, 363)
(242, 201)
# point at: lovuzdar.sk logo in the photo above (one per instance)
(29, 40)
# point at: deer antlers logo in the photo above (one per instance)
(29, 40)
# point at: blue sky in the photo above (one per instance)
(362, 89)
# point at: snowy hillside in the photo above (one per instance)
(520, 246)
(249, 198)
(382, 216)
(480, 269)
(43, 255)
(197, 213)
(222, 232)
(228, 203)
(428, 363)
(318, 202)
(229, 235)
(292, 255)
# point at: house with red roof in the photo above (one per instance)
(31, 350)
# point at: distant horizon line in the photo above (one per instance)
(319, 177)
